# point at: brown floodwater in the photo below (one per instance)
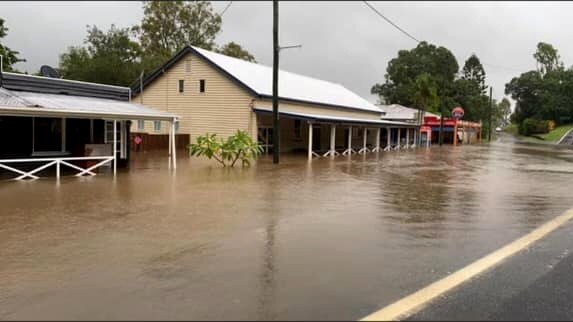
(332, 239)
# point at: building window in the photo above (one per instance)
(141, 125)
(202, 86)
(176, 126)
(297, 129)
(48, 134)
(181, 86)
(188, 66)
(157, 126)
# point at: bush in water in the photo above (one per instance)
(227, 152)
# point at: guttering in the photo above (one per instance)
(41, 111)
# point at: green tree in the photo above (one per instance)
(168, 26)
(504, 111)
(473, 71)
(547, 58)
(110, 57)
(9, 56)
(235, 50)
(401, 74)
(527, 91)
(425, 96)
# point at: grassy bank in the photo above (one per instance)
(548, 138)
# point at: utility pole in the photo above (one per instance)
(276, 49)
(441, 136)
(490, 113)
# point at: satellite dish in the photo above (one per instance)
(48, 71)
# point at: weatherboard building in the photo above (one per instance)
(214, 93)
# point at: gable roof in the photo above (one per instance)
(257, 79)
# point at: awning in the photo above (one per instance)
(21, 103)
(332, 119)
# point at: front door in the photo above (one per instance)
(316, 139)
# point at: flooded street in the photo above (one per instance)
(331, 239)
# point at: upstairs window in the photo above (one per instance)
(181, 86)
(157, 126)
(202, 86)
(141, 125)
(188, 66)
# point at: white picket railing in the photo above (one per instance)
(57, 162)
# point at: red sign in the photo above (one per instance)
(458, 113)
(138, 140)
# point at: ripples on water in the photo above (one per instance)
(333, 239)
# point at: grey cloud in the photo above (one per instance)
(343, 42)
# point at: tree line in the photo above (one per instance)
(543, 96)
(118, 56)
(429, 78)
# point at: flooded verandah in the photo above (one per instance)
(326, 135)
(50, 124)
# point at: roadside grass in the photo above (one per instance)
(556, 134)
(548, 138)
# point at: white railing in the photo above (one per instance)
(57, 162)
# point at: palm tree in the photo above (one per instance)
(425, 96)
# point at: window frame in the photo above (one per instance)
(202, 86)
(181, 86)
(157, 126)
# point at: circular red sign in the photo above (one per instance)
(458, 112)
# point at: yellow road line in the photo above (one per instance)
(416, 301)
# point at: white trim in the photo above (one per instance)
(47, 112)
(53, 161)
(327, 118)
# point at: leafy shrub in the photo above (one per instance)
(533, 126)
(227, 152)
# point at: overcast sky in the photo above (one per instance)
(343, 42)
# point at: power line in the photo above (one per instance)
(227, 7)
(390, 22)
(511, 69)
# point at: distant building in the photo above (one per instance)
(218, 94)
(399, 113)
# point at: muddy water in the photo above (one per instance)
(334, 239)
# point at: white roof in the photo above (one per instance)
(400, 112)
(32, 103)
(291, 86)
(328, 118)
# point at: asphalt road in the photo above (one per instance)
(535, 285)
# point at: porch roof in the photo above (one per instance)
(24, 103)
(333, 119)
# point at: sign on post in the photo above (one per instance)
(458, 113)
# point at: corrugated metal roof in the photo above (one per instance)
(328, 118)
(31, 102)
(40, 84)
(291, 85)
(8, 99)
(257, 79)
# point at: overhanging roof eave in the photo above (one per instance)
(47, 112)
(335, 119)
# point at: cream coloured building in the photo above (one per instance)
(214, 93)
